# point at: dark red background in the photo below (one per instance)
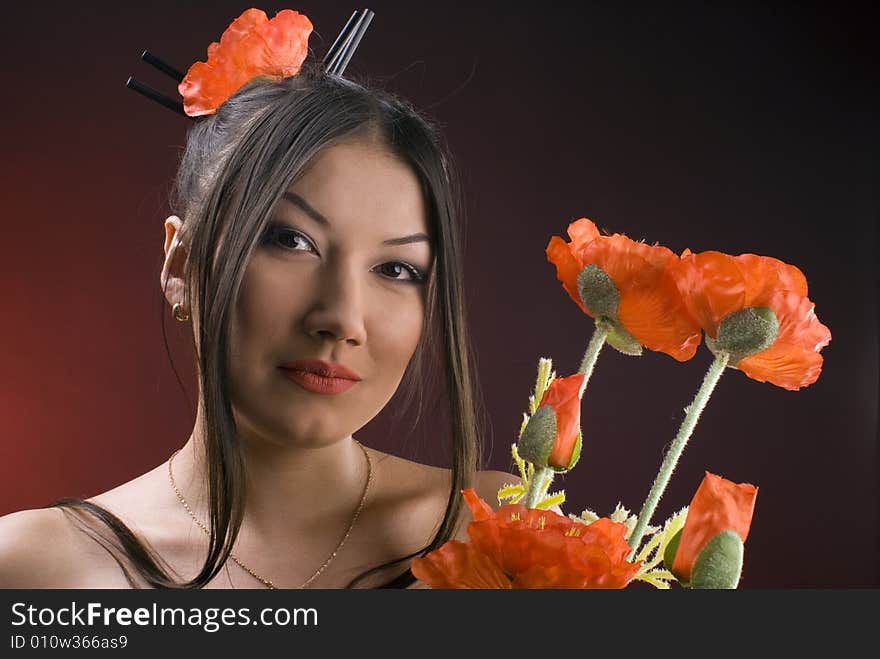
(747, 129)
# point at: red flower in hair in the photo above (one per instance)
(253, 45)
(519, 547)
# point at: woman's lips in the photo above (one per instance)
(318, 383)
(319, 366)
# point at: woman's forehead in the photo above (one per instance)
(364, 183)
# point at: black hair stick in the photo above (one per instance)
(341, 39)
(151, 93)
(167, 69)
(333, 63)
(351, 45)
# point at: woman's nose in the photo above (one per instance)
(337, 312)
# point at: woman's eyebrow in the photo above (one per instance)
(295, 199)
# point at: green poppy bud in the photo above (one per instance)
(598, 292)
(746, 332)
(536, 441)
(719, 564)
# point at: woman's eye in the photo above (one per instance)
(287, 238)
(394, 269)
(291, 240)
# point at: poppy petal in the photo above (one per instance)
(582, 231)
(459, 565)
(622, 259)
(793, 361)
(551, 576)
(651, 307)
(712, 286)
(567, 268)
(284, 43)
(610, 535)
(656, 316)
(480, 510)
(587, 556)
(251, 46)
(789, 367)
(765, 275)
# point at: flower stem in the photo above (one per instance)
(536, 491)
(716, 369)
(591, 355)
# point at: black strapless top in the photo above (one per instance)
(402, 580)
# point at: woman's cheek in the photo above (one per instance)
(400, 329)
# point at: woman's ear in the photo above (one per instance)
(171, 279)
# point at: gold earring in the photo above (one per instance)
(179, 313)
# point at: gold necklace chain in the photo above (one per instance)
(330, 558)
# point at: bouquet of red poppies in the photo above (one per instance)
(756, 318)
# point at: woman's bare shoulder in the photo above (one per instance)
(40, 548)
(409, 478)
(61, 547)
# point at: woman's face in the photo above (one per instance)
(339, 276)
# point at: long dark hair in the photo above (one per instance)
(236, 165)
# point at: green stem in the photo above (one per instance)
(591, 355)
(536, 492)
(716, 369)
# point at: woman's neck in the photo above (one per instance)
(290, 490)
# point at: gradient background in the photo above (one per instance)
(747, 129)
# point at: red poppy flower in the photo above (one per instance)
(519, 547)
(718, 505)
(714, 285)
(650, 307)
(251, 46)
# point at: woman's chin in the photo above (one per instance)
(291, 432)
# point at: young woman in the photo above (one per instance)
(316, 254)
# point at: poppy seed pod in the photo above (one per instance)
(746, 332)
(600, 296)
(598, 292)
